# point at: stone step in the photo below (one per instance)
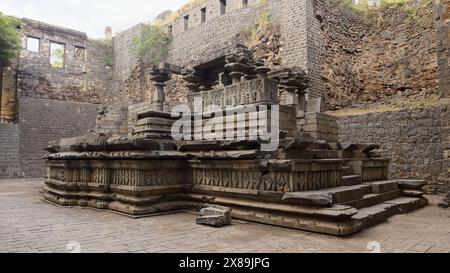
(374, 215)
(412, 193)
(327, 197)
(368, 200)
(346, 171)
(373, 199)
(408, 204)
(379, 187)
(351, 180)
(410, 184)
(380, 213)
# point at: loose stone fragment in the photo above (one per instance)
(215, 216)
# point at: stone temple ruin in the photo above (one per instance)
(322, 122)
(309, 181)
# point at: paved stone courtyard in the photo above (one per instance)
(30, 225)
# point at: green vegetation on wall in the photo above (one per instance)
(109, 51)
(363, 6)
(9, 38)
(254, 33)
(152, 44)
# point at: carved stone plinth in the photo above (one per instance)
(306, 181)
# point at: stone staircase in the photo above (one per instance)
(374, 202)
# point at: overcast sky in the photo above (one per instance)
(90, 16)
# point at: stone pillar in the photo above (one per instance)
(292, 85)
(159, 96)
(239, 65)
(192, 82)
(159, 75)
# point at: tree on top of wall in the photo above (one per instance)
(9, 38)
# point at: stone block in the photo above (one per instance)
(384, 186)
(216, 216)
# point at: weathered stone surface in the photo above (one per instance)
(216, 216)
(351, 180)
(82, 80)
(366, 61)
(446, 202)
(412, 193)
(412, 184)
(384, 186)
(413, 139)
(298, 185)
(313, 198)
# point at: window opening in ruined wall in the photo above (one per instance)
(33, 44)
(80, 53)
(57, 54)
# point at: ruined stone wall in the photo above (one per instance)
(342, 35)
(300, 26)
(112, 120)
(401, 54)
(199, 40)
(204, 40)
(442, 21)
(82, 80)
(389, 52)
(42, 121)
(413, 138)
(125, 61)
(139, 88)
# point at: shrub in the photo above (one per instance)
(152, 44)
(258, 30)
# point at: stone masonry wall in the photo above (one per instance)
(400, 54)
(9, 151)
(42, 121)
(82, 80)
(125, 60)
(370, 58)
(112, 120)
(342, 35)
(442, 21)
(412, 138)
(219, 31)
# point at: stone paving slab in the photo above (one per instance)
(28, 224)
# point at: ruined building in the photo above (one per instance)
(352, 62)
